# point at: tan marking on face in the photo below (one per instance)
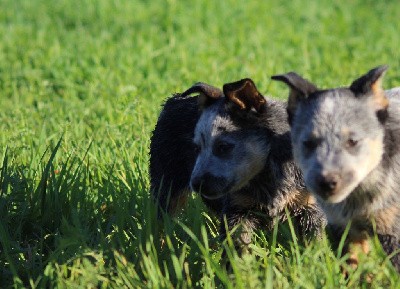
(345, 131)
(375, 152)
(373, 158)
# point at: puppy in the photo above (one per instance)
(232, 147)
(172, 152)
(347, 144)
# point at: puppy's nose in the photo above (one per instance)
(195, 183)
(328, 182)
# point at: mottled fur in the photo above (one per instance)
(244, 161)
(347, 144)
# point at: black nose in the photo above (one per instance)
(196, 184)
(208, 184)
(328, 182)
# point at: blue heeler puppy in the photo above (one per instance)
(233, 147)
(347, 144)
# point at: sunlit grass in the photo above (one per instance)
(81, 85)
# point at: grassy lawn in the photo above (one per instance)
(81, 84)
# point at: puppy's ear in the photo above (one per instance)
(244, 94)
(300, 89)
(207, 93)
(370, 85)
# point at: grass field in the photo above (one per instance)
(81, 84)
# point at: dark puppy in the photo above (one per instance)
(173, 153)
(240, 159)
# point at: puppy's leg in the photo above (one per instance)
(170, 200)
(311, 222)
(387, 220)
(391, 244)
(358, 243)
(244, 222)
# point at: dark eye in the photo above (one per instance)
(350, 143)
(223, 148)
(311, 144)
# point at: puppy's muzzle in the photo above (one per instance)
(209, 186)
(328, 183)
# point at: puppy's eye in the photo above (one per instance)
(223, 148)
(350, 143)
(311, 144)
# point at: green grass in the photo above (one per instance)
(81, 84)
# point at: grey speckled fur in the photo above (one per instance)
(347, 144)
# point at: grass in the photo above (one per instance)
(81, 84)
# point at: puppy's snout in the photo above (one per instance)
(209, 185)
(328, 182)
(203, 183)
(195, 183)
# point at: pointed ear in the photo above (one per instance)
(300, 89)
(207, 93)
(371, 84)
(244, 94)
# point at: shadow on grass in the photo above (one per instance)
(69, 223)
(97, 225)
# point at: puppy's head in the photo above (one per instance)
(230, 151)
(337, 134)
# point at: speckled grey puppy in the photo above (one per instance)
(347, 144)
